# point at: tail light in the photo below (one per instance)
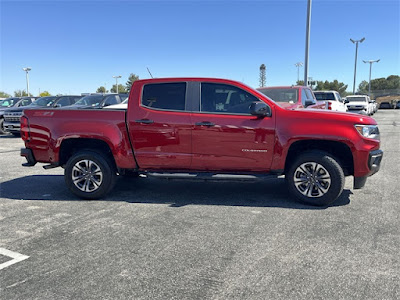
(25, 132)
(328, 105)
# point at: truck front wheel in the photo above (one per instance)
(316, 178)
(89, 174)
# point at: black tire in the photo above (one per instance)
(89, 174)
(2, 131)
(17, 134)
(315, 178)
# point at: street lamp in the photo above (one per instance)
(308, 25)
(27, 78)
(116, 81)
(370, 68)
(298, 65)
(355, 63)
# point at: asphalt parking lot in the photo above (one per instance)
(156, 239)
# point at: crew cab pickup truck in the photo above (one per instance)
(293, 97)
(202, 128)
(332, 99)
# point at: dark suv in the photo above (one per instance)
(12, 102)
(12, 115)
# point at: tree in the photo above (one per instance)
(121, 89)
(4, 95)
(132, 78)
(390, 83)
(332, 86)
(20, 93)
(300, 82)
(363, 87)
(44, 94)
(101, 89)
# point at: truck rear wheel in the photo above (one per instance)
(89, 174)
(316, 178)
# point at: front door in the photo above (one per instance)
(225, 136)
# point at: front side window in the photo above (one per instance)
(64, 101)
(45, 101)
(111, 100)
(169, 96)
(222, 98)
(90, 100)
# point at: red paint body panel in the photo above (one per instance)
(237, 143)
(50, 128)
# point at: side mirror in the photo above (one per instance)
(346, 101)
(308, 103)
(57, 105)
(260, 109)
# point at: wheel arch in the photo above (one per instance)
(71, 146)
(338, 150)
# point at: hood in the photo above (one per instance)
(330, 115)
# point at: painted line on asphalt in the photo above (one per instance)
(16, 257)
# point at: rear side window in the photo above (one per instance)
(169, 96)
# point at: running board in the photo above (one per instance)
(209, 176)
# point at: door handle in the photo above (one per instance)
(144, 121)
(208, 124)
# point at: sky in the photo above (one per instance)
(75, 47)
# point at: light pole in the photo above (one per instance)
(370, 69)
(298, 65)
(27, 69)
(308, 25)
(355, 63)
(116, 81)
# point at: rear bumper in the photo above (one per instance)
(28, 154)
(374, 163)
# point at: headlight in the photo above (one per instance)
(369, 131)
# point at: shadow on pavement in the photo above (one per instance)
(177, 193)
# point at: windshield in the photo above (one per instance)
(44, 101)
(324, 96)
(281, 95)
(8, 102)
(356, 99)
(91, 100)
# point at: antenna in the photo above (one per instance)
(149, 72)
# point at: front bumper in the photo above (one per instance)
(374, 163)
(28, 154)
(12, 126)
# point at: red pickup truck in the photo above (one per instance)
(202, 128)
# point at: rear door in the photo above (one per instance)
(225, 136)
(160, 126)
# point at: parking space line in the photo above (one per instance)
(16, 257)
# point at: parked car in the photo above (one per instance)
(332, 100)
(99, 101)
(204, 128)
(293, 97)
(12, 102)
(397, 105)
(359, 104)
(385, 105)
(374, 106)
(12, 115)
